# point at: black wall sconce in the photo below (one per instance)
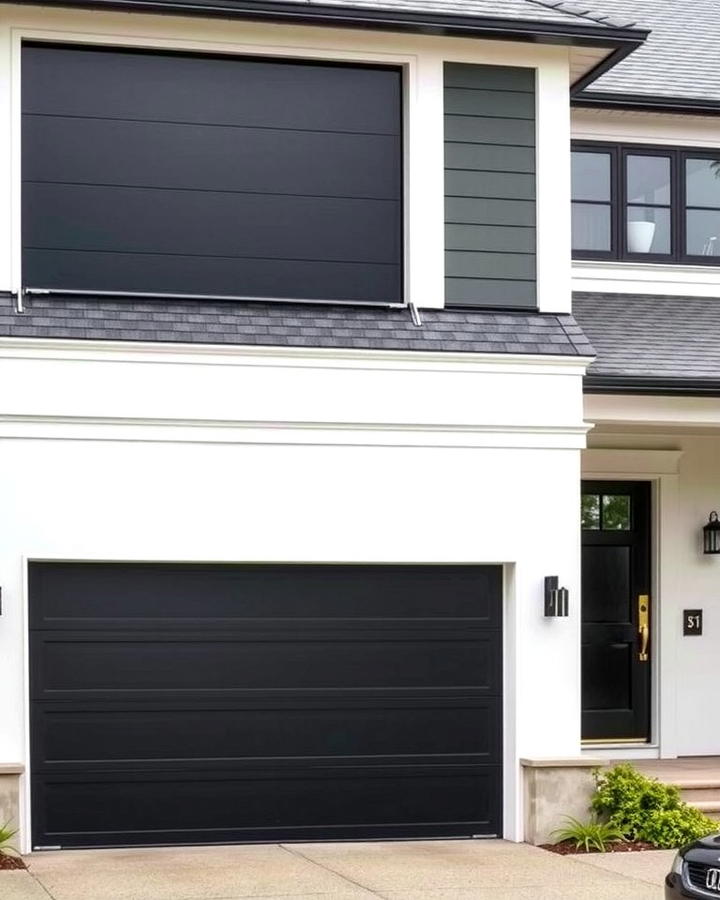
(711, 535)
(557, 599)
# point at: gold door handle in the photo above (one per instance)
(644, 626)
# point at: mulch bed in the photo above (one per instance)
(11, 862)
(568, 848)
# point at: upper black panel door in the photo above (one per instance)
(170, 173)
(197, 703)
(616, 648)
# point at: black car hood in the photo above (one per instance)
(706, 850)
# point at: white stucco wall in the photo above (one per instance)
(197, 454)
(169, 453)
(685, 668)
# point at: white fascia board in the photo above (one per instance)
(284, 357)
(421, 56)
(654, 412)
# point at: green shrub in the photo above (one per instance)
(644, 809)
(592, 835)
(6, 835)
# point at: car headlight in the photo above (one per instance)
(677, 866)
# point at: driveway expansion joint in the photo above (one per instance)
(295, 852)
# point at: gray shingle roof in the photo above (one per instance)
(560, 11)
(651, 337)
(292, 325)
(681, 57)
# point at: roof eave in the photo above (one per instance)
(659, 386)
(436, 22)
(645, 102)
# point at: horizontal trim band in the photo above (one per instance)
(499, 436)
(288, 357)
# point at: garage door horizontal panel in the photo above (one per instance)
(192, 157)
(151, 733)
(109, 596)
(68, 665)
(220, 90)
(332, 802)
(149, 220)
(148, 274)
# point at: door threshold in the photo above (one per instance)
(611, 750)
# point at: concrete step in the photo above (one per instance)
(708, 806)
(699, 785)
(695, 795)
(702, 792)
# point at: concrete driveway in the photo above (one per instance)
(427, 870)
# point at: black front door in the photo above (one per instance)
(616, 648)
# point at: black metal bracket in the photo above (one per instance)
(557, 599)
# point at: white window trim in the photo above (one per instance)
(615, 277)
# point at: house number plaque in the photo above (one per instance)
(692, 622)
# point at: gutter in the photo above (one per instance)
(431, 22)
(641, 102)
(661, 386)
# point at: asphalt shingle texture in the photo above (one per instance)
(292, 325)
(563, 12)
(650, 336)
(681, 57)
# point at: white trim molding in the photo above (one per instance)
(628, 463)
(612, 277)
(639, 411)
(633, 126)
(350, 434)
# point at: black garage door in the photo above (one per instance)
(163, 173)
(198, 703)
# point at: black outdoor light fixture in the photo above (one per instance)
(711, 535)
(557, 599)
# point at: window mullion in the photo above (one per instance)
(679, 198)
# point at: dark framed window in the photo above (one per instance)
(642, 203)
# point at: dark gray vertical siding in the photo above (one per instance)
(489, 186)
